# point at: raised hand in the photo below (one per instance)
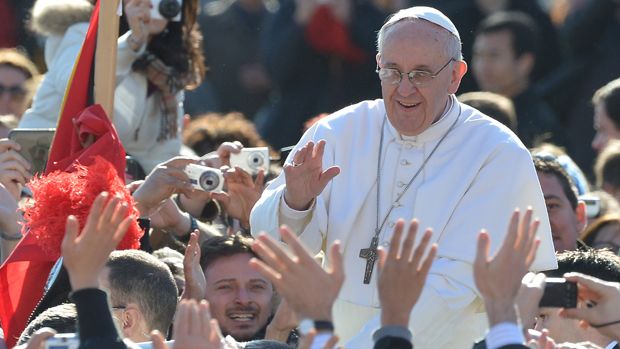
(402, 273)
(195, 282)
(309, 289)
(305, 178)
(499, 278)
(85, 255)
(193, 328)
(241, 194)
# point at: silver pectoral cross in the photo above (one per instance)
(370, 255)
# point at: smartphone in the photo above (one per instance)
(559, 293)
(35, 143)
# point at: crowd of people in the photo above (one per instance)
(438, 177)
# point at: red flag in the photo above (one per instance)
(83, 132)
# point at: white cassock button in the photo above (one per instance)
(391, 224)
(404, 162)
(400, 184)
(385, 244)
(408, 145)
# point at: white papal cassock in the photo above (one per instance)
(479, 174)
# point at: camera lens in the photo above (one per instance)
(169, 8)
(256, 160)
(209, 180)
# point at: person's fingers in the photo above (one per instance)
(328, 175)
(13, 164)
(591, 283)
(276, 257)
(195, 321)
(96, 209)
(523, 231)
(243, 177)
(108, 211)
(7, 144)
(205, 319)
(513, 231)
(383, 255)
(337, 263)
(577, 313)
(306, 341)
(529, 259)
(308, 154)
(119, 213)
(12, 175)
(428, 261)
(122, 229)
(265, 270)
(420, 249)
(158, 340)
(72, 226)
(259, 182)
(14, 155)
(482, 251)
(409, 241)
(39, 337)
(295, 244)
(181, 320)
(319, 149)
(396, 239)
(331, 343)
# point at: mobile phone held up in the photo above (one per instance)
(559, 293)
(35, 145)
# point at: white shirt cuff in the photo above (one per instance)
(291, 213)
(504, 333)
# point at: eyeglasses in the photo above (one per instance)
(394, 76)
(16, 91)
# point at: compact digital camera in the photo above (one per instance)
(167, 9)
(63, 341)
(251, 159)
(205, 178)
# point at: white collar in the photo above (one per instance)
(435, 131)
(611, 345)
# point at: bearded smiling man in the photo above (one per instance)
(240, 298)
(416, 153)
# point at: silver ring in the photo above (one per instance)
(294, 164)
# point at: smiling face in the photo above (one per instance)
(240, 298)
(417, 45)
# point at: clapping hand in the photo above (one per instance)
(402, 273)
(193, 328)
(195, 281)
(305, 178)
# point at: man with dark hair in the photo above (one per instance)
(606, 102)
(505, 53)
(494, 105)
(142, 293)
(567, 214)
(61, 318)
(241, 299)
(602, 264)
